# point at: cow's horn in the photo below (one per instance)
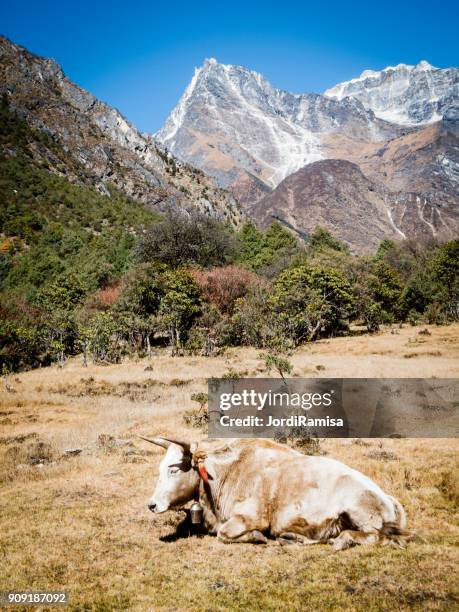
(165, 442)
(185, 445)
(157, 441)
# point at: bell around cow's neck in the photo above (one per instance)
(196, 513)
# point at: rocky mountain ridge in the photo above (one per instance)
(404, 94)
(106, 147)
(233, 124)
(252, 138)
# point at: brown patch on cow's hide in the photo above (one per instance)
(329, 528)
(344, 480)
(371, 503)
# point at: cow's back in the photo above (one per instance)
(288, 485)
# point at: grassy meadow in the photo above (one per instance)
(78, 521)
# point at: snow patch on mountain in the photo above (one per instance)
(403, 94)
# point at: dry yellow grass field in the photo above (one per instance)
(80, 523)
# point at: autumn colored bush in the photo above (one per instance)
(223, 286)
(108, 296)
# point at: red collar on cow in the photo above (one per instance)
(203, 472)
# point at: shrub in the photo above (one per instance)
(277, 361)
(260, 250)
(445, 269)
(180, 305)
(197, 417)
(308, 302)
(323, 239)
(104, 298)
(252, 322)
(223, 286)
(209, 332)
(188, 239)
(142, 290)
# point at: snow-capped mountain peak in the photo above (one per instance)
(231, 118)
(403, 94)
(211, 84)
(424, 65)
(252, 137)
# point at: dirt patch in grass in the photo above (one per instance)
(178, 382)
(424, 354)
(381, 454)
(23, 454)
(134, 391)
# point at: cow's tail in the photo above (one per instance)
(394, 532)
(390, 533)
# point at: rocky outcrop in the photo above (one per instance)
(105, 147)
(335, 194)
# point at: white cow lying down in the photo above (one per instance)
(254, 489)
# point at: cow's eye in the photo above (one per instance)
(174, 470)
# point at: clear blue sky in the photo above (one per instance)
(140, 55)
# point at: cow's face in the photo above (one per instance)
(178, 481)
